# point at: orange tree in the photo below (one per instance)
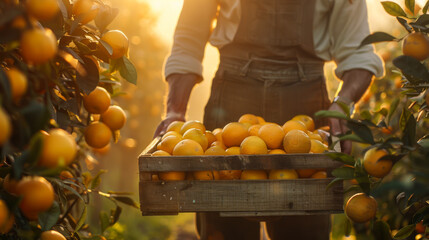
(59, 68)
(391, 136)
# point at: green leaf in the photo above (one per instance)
(333, 182)
(422, 21)
(377, 37)
(425, 8)
(381, 231)
(348, 227)
(95, 182)
(82, 219)
(342, 157)
(366, 115)
(383, 111)
(421, 214)
(104, 221)
(413, 69)
(405, 24)
(88, 80)
(330, 114)
(405, 115)
(127, 200)
(405, 232)
(128, 71)
(115, 214)
(410, 4)
(344, 173)
(362, 131)
(393, 106)
(393, 9)
(409, 134)
(49, 218)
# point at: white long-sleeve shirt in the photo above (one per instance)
(339, 27)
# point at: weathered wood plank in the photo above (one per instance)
(235, 162)
(298, 195)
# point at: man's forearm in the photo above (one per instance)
(354, 84)
(180, 88)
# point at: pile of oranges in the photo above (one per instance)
(250, 135)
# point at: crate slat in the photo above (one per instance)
(248, 197)
(235, 162)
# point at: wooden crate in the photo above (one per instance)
(238, 197)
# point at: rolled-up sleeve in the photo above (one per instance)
(348, 27)
(190, 37)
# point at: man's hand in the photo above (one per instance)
(354, 84)
(338, 126)
(180, 87)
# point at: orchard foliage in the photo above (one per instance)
(52, 56)
(400, 129)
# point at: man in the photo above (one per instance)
(271, 64)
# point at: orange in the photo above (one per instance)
(20, 22)
(218, 134)
(254, 129)
(272, 134)
(97, 135)
(59, 149)
(114, 117)
(206, 175)
(218, 143)
(361, 208)
(5, 126)
(18, 83)
(6, 218)
(248, 118)
(306, 173)
(374, 166)
(233, 151)
(233, 134)
(294, 125)
(175, 126)
(198, 136)
(282, 174)
(317, 146)
(277, 151)
(416, 45)
(98, 101)
(168, 144)
(160, 153)
(64, 175)
(229, 174)
(320, 174)
(38, 45)
(37, 196)
(86, 10)
(261, 120)
(51, 235)
(171, 133)
(188, 147)
(307, 120)
(172, 176)
(253, 175)
(118, 41)
(253, 145)
(315, 136)
(211, 138)
(296, 141)
(42, 9)
(102, 151)
(420, 228)
(192, 124)
(10, 185)
(215, 150)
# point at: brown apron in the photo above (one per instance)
(270, 70)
